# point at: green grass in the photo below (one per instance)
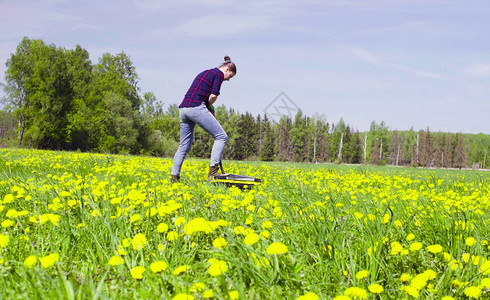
(335, 221)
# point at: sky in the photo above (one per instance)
(407, 63)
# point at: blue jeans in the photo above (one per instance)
(189, 117)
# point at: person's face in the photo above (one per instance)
(228, 74)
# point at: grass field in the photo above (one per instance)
(78, 226)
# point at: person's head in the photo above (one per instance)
(228, 68)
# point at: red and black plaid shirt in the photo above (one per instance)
(206, 83)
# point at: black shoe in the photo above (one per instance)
(213, 171)
(175, 178)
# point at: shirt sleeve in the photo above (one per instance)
(217, 81)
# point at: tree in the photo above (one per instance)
(378, 132)
(80, 68)
(374, 157)
(119, 124)
(116, 74)
(40, 88)
(246, 137)
(284, 147)
(352, 147)
(316, 125)
(298, 136)
(19, 76)
(151, 105)
(268, 140)
(336, 140)
(447, 160)
(459, 152)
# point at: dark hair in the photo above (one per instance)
(228, 63)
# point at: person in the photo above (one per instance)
(197, 108)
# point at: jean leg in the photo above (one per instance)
(186, 138)
(209, 123)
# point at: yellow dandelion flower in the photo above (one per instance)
(410, 237)
(386, 219)
(137, 272)
(49, 261)
(139, 241)
(470, 241)
(233, 295)
(208, 294)
(416, 246)
(308, 296)
(116, 260)
(219, 243)
(197, 287)
(419, 281)
(265, 234)
(356, 292)
(7, 223)
(277, 248)
(239, 230)
(342, 297)
(267, 225)
(485, 283)
(172, 235)
(30, 261)
(4, 241)
(410, 290)
(448, 298)
(434, 248)
(135, 218)
(251, 239)
(126, 242)
(158, 266)
(180, 221)
(472, 292)
(181, 269)
(362, 274)
(9, 198)
(396, 248)
(430, 274)
(162, 227)
(217, 268)
(375, 288)
(181, 296)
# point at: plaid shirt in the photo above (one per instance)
(206, 83)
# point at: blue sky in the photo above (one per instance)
(408, 63)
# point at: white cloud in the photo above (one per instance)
(225, 25)
(478, 69)
(361, 53)
(375, 59)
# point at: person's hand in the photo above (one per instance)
(211, 110)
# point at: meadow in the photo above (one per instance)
(81, 225)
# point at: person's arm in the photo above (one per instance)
(212, 99)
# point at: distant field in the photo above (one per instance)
(79, 225)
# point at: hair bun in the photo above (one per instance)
(227, 58)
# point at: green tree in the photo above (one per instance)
(116, 74)
(121, 132)
(19, 80)
(246, 138)
(352, 147)
(284, 148)
(151, 105)
(298, 136)
(379, 132)
(337, 140)
(267, 152)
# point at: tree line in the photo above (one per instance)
(56, 98)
